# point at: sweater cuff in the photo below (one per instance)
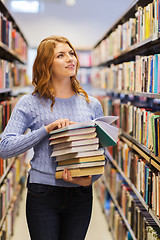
(42, 132)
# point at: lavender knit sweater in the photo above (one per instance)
(34, 113)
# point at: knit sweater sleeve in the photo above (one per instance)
(98, 112)
(14, 139)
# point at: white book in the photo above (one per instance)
(79, 155)
(75, 150)
(75, 143)
(80, 165)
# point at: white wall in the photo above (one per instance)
(84, 24)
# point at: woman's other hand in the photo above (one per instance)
(83, 181)
(58, 124)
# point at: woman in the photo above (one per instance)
(55, 209)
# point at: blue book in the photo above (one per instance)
(147, 127)
(158, 16)
(155, 80)
(151, 76)
(146, 184)
(156, 136)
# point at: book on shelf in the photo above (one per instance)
(106, 133)
(155, 133)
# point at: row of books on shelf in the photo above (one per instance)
(145, 23)
(85, 58)
(9, 195)
(145, 178)
(76, 147)
(4, 166)
(84, 76)
(6, 107)
(12, 75)
(116, 222)
(141, 75)
(141, 123)
(7, 228)
(11, 37)
(128, 219)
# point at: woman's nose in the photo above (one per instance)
(69, 57)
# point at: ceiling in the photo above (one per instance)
(83, 24)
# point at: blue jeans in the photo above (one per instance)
(58, 213)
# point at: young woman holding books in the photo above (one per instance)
(55, 209)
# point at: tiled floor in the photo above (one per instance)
(98, 228)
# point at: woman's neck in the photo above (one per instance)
(63, 89)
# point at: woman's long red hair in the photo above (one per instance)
(42, 66)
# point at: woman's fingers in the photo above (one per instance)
(83, 181)
(66, 175)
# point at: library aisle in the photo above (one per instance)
(98, 228)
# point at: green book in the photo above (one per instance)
(106, 133)
(154, 133)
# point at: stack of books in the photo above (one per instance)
(76, 147)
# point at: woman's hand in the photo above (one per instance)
(83, 181)
(58, 124)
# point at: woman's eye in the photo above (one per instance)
(72, 53)
(61, 55)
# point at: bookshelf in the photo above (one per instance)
(84, 72)
(13, 59)
(126, 65)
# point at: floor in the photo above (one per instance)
(98, 228)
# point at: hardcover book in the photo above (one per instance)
(106, 133)
(82, 172)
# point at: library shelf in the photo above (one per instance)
(105, 213)
(13, 48)
(119, 208)
(130, 12)
(9, 54)
(109, 156)
(141, 149)
(143, 43)
(132, 93)
(5, 90)
(9, 16)
(138, 48)
(16, 193)
(109, 225)
(12, 161)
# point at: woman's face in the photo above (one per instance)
(65, 61)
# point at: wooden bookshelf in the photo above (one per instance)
(132, 93)
(13, 54)
(9, 54)
(5, 11)
(11, 162)
(99, 182)
(133, 188)
(138, 48)
(127, 14)
(145, 43)
(119, 209)
(142, 150)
